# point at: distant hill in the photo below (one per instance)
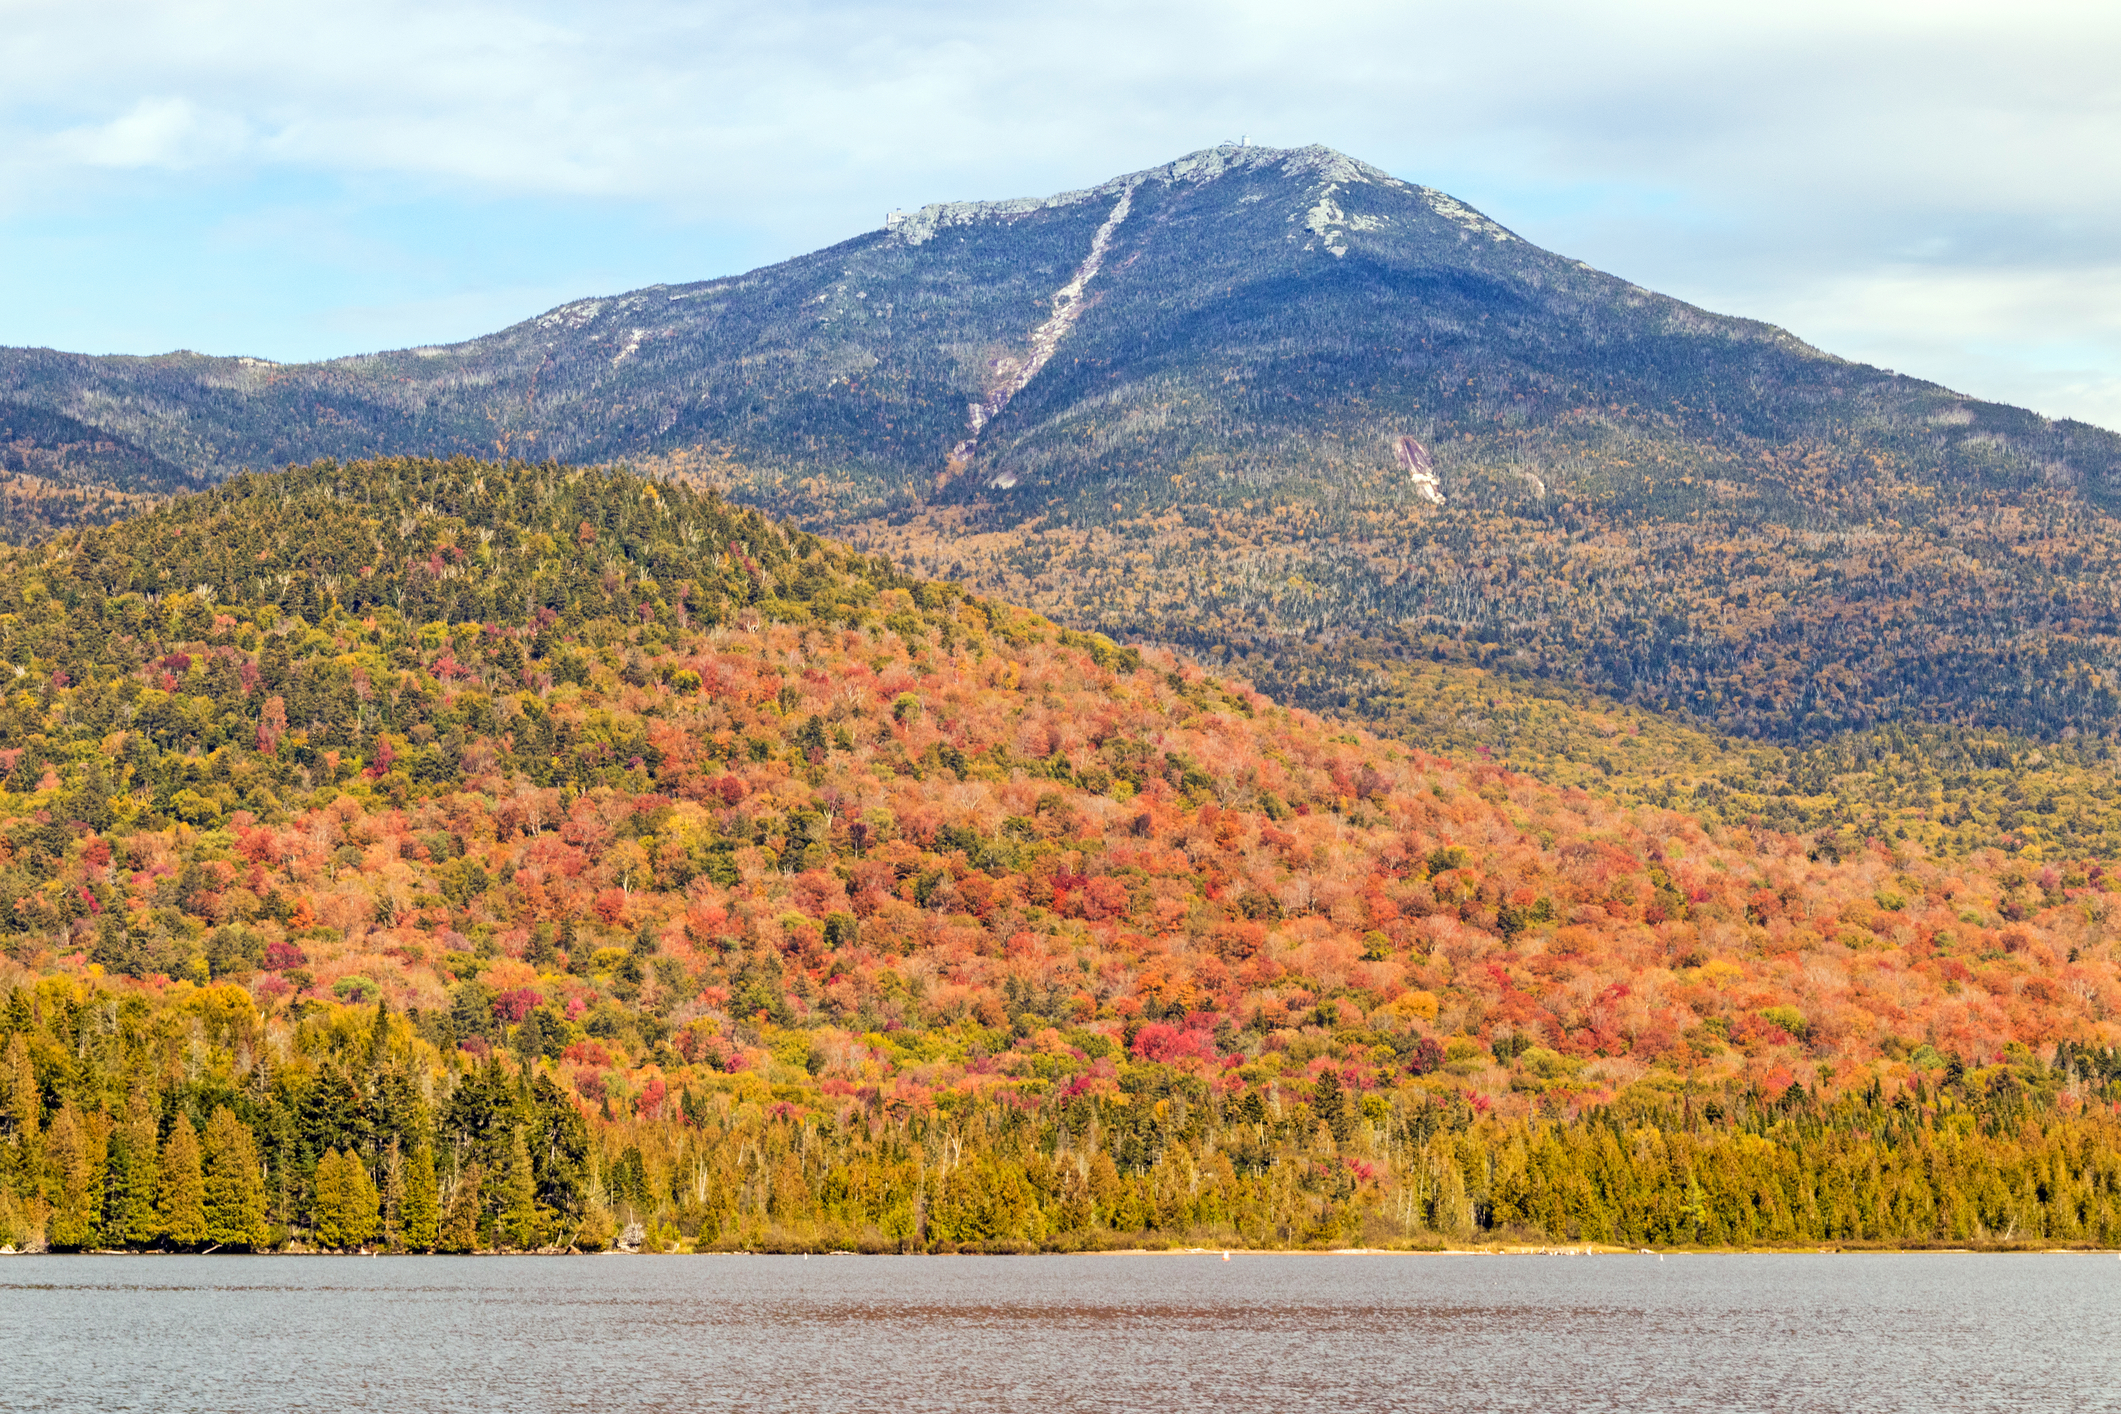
(1256, 401)
(56, 470)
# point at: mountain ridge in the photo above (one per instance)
(1322, 171)
(1264, 401)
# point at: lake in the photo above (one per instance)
(1152, 1333)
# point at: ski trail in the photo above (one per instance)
(1068, 307)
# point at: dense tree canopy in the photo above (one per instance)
(464, 855)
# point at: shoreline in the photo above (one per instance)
(1222, 1253)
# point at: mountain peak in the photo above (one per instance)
(1321, 165)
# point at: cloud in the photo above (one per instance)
(1793, 157)
(2049, 340)
(169, 133)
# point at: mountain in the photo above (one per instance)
(456, 855)
(1255, 315)
(1282, 408)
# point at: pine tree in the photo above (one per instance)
(327, 1201)
(25, 1112)
(180, 1188)
(95, 1139)
(129, 1211)
(518, 1220)
(74, 1179)
(460, 1226)
(364, 1217)
(280, 1198)
(379, 1035)
(394, 1197)
(345, 1210)
(1328, 1104)
(421, 1216)
(235, 1184)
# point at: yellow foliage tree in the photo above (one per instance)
(345, 1214)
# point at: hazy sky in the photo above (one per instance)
(1933, 187)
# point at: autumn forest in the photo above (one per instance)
(476, 856)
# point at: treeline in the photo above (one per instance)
(201, 1125)
(130, 1125)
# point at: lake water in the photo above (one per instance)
(1160, 1333)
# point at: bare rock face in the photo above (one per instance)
(1414, 461)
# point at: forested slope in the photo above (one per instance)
(458, 854)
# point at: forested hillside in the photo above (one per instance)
(1965, 604)
(1952, 790)
(456, 854)
(56, 471)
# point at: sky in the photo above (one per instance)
(1934, 187)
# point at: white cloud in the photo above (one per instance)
(169, 133)
(2049, 340)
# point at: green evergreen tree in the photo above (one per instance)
(393, 1231)
(421, 1217)
(281, 1196)
(129, 1209)
(345, 1214)
(530, 1040)
(460, 1225)
(559, 1145)
(327, 1201)
(365, 1219)
(1330, 1106)
(25, 1114)
(235, 1184)
(379, 1035)
(180, 1188)
(74, 1165)
(517, 1223)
